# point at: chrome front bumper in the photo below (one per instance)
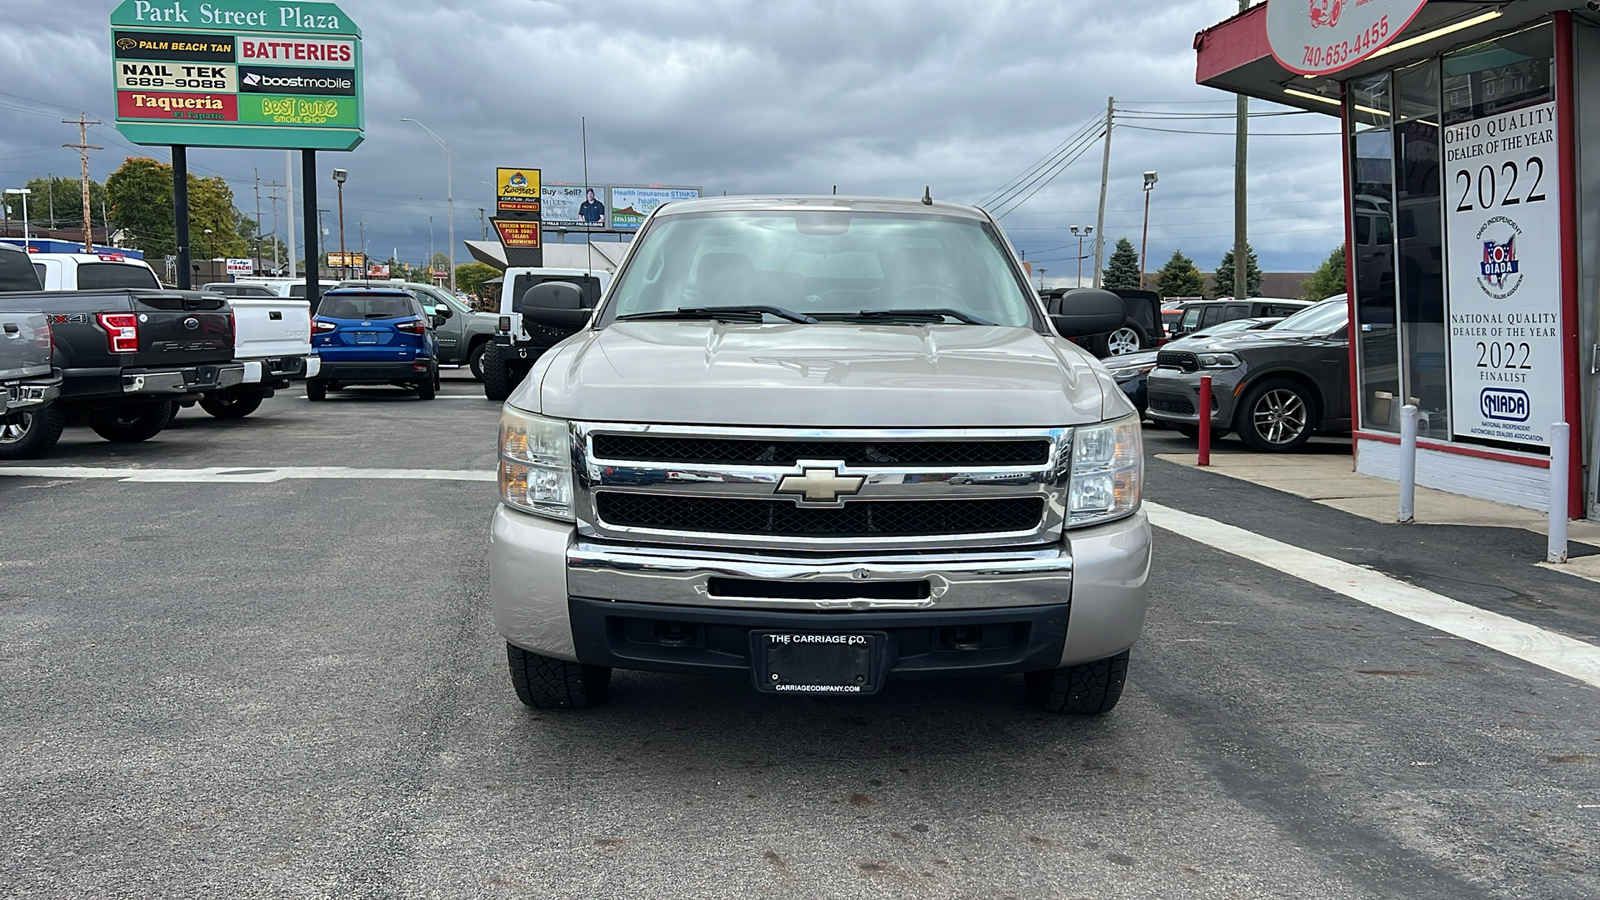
(536, 565)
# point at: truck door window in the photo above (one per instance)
(17, 274)
(115, 275)
(1210, 316)
(1235, 311)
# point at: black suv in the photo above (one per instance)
(1198, 314)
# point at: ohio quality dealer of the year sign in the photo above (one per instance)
(237, 73)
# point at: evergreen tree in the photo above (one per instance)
(1122, 270)
(1180, 278)
(1252, 275)
(1328, 279)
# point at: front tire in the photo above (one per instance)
(1084, 690)
(131, 424)
(230, 404)
(496, 376)
(1275, 417)
(545, 683)
(29, 435)
(475, 359)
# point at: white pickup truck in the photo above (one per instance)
(273, 339)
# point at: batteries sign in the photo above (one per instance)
(237, 73)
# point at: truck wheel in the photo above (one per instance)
(1275, 417)
(31, 434)
(1086, 690)
(496, 374)
(475, 359)
(316, 391)
(545, 683)
(230, 404)
(425, 387)
(131, 424)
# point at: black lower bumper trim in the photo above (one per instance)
(716, 640)
(373, 371)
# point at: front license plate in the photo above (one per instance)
(802, 663)
(366, 337)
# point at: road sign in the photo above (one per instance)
(237, 73)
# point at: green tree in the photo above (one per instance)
(141, 203)
(61, 200)
(1180, 278)
(471, 276)
(1122, 270)
(1328, 279)
(1252, 275)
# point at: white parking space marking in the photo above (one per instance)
(247, 474)
(1556, 652)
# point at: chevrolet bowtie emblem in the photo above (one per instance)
(821, 485)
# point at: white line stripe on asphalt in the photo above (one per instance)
(1556, 652)
(246, 474)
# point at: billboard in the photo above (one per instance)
(337, 260)
(516, 190)
(632, 204)
(573, 206)
(228, 73)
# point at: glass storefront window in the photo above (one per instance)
(1369, 102)
(1494, 76)
(1372, 256)
(1419, 232)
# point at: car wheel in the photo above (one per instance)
(1275, 417)
(30, 434)
(131, 424)
(1086, 690)
(475, 360)
(316, 391)
(496, 375)
(1130, 338)
(545, 683)
(425, 387)
(230, 405)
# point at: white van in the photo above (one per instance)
(87, 271)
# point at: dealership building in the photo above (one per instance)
(1471, 157)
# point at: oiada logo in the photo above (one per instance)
(1500, 272)
(1504, 404)
(1326, 12)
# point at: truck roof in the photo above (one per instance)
(817, 202)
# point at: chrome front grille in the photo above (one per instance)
(909, 488)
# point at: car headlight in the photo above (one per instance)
(1131, 371)
(1107, 472)
(1218, 361)
(536, 464)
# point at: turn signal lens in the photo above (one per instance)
(536, 464)
(321, 326)
(122, 331)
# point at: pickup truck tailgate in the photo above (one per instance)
(24, 346)
(270, 327)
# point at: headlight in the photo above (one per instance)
(536, 464)
(1218, 361)
(1131, 371)
(1107, 472)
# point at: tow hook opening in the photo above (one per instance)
(962, 637)
(675, 634)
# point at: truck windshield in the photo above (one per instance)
(831, 264)
(115, 275)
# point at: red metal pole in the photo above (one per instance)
(1205, 420)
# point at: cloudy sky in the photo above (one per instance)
(877, 97)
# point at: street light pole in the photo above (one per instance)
(1042, 270)
(339, 175)
(1082, 231)
(450, 198)
(1149, 182)
(27, 236)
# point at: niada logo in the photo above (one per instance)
(1500, 272)
(1504, 404)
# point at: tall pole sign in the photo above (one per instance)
(237, 73)
(518, 210)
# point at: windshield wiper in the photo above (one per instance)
(722, 312)
(940, 314)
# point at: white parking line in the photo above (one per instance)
(1556, 652)
(246, 474)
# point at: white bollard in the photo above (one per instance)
(1559, 457)
(1408, 464)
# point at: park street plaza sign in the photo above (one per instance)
(237, 73)
(1319, 37)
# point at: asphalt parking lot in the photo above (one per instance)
(240, 683)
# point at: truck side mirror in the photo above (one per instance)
(442, 311)
(555, 304)
(1088, 311)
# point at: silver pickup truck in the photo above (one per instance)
(28, 381)
(820, 443)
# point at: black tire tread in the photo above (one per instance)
(1084, 690)
(1243, 419)
(545, 683)
(426, 388)
(241, 405)
(475, 359)
(44, 430)
(496, 378)
(152, 419)
(316, 391)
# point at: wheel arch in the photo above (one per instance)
(1301, 379)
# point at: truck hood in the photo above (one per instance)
(825, 375)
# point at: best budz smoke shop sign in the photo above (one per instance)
(237, 74)
(1316, 37)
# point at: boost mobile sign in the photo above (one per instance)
(1503, 252)
(1316, 37)
(237, 73)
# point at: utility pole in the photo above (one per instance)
(288, 203)
(1241, 154)
(361, 235)
(257, 173)
(50, 191)
(322, 242)
(272, 194)
(483, 225)
(83, 147)
(1105, 178)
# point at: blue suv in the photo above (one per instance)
(374, 336)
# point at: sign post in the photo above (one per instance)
(237, 73)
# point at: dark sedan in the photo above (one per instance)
(1276, 387)
(1132, 369)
